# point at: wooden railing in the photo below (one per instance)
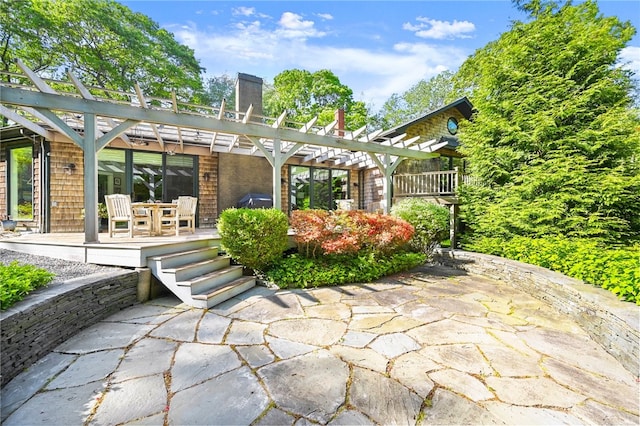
(428, 183)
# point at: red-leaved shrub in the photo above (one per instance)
(321, 232)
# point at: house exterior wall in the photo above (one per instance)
(431, 128)
(208, 190)
(373, 183)
(354, 178)
(239, 175)
(66, 188)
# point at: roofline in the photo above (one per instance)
(463, 105)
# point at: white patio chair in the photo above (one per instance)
(120, 211)
(185, 211)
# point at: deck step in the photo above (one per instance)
(181, 258)
(212, 279)
(195, 269)
(201, 277)
(224, 292)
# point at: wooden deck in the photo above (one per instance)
(116, 251)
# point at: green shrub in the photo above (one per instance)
(18, 280)
(614, 269)
(430, 222)
(254, 237)
(297, 271)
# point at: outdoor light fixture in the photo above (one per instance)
(206, 176)
(69, 168)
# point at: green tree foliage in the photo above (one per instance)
(218, 88)
(555, 139)
(101, 41)
(424, 96)
(304, 95)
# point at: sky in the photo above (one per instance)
(376, 48)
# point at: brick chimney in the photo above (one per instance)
(249, 91)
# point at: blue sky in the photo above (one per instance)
(377, 48)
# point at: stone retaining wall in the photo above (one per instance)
(35, 326)
(614, 324)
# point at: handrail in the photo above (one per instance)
(444, 182)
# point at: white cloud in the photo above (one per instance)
(292, 25)
(373, 75)
(630, 59)
(243, 11)
(325, 16)
(247, 11)
(440, 30)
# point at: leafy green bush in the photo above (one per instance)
(254, 237)
(297, 271)
(18, 280)
(430, 222)
(614, 269)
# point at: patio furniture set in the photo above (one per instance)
(150, 218)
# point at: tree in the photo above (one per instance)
(218, 88)
(304, 95)
(555, 139)
(101, 41)
(423, 97)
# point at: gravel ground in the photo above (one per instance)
(63, 269)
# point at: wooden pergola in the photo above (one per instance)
(93, 117)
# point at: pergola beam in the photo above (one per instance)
(143, 104)
(21, 97)
(87, 95)
(25, 122)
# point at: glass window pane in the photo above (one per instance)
(300, 188)
(321, 189)
(340, 182)
(179, 176)
(21, 183)
(147, 176)
(111, 173)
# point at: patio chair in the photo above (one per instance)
(185, 211)
(119, 210)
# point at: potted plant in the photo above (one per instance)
(8, 224)
(103, 215)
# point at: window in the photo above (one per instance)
(316, 188)
(111, 173)
(21, 183)
(145, 175)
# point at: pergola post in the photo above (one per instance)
(277, 174)
(454, 211)
(90, 179)
(387, 166)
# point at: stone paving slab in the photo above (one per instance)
(435, 346)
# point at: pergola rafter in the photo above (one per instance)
(93, 122)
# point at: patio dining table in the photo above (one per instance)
(157, 210)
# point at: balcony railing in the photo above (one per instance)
(428, 183)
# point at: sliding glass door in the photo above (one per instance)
(147, 176)
(317, 188)
(20, 180)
